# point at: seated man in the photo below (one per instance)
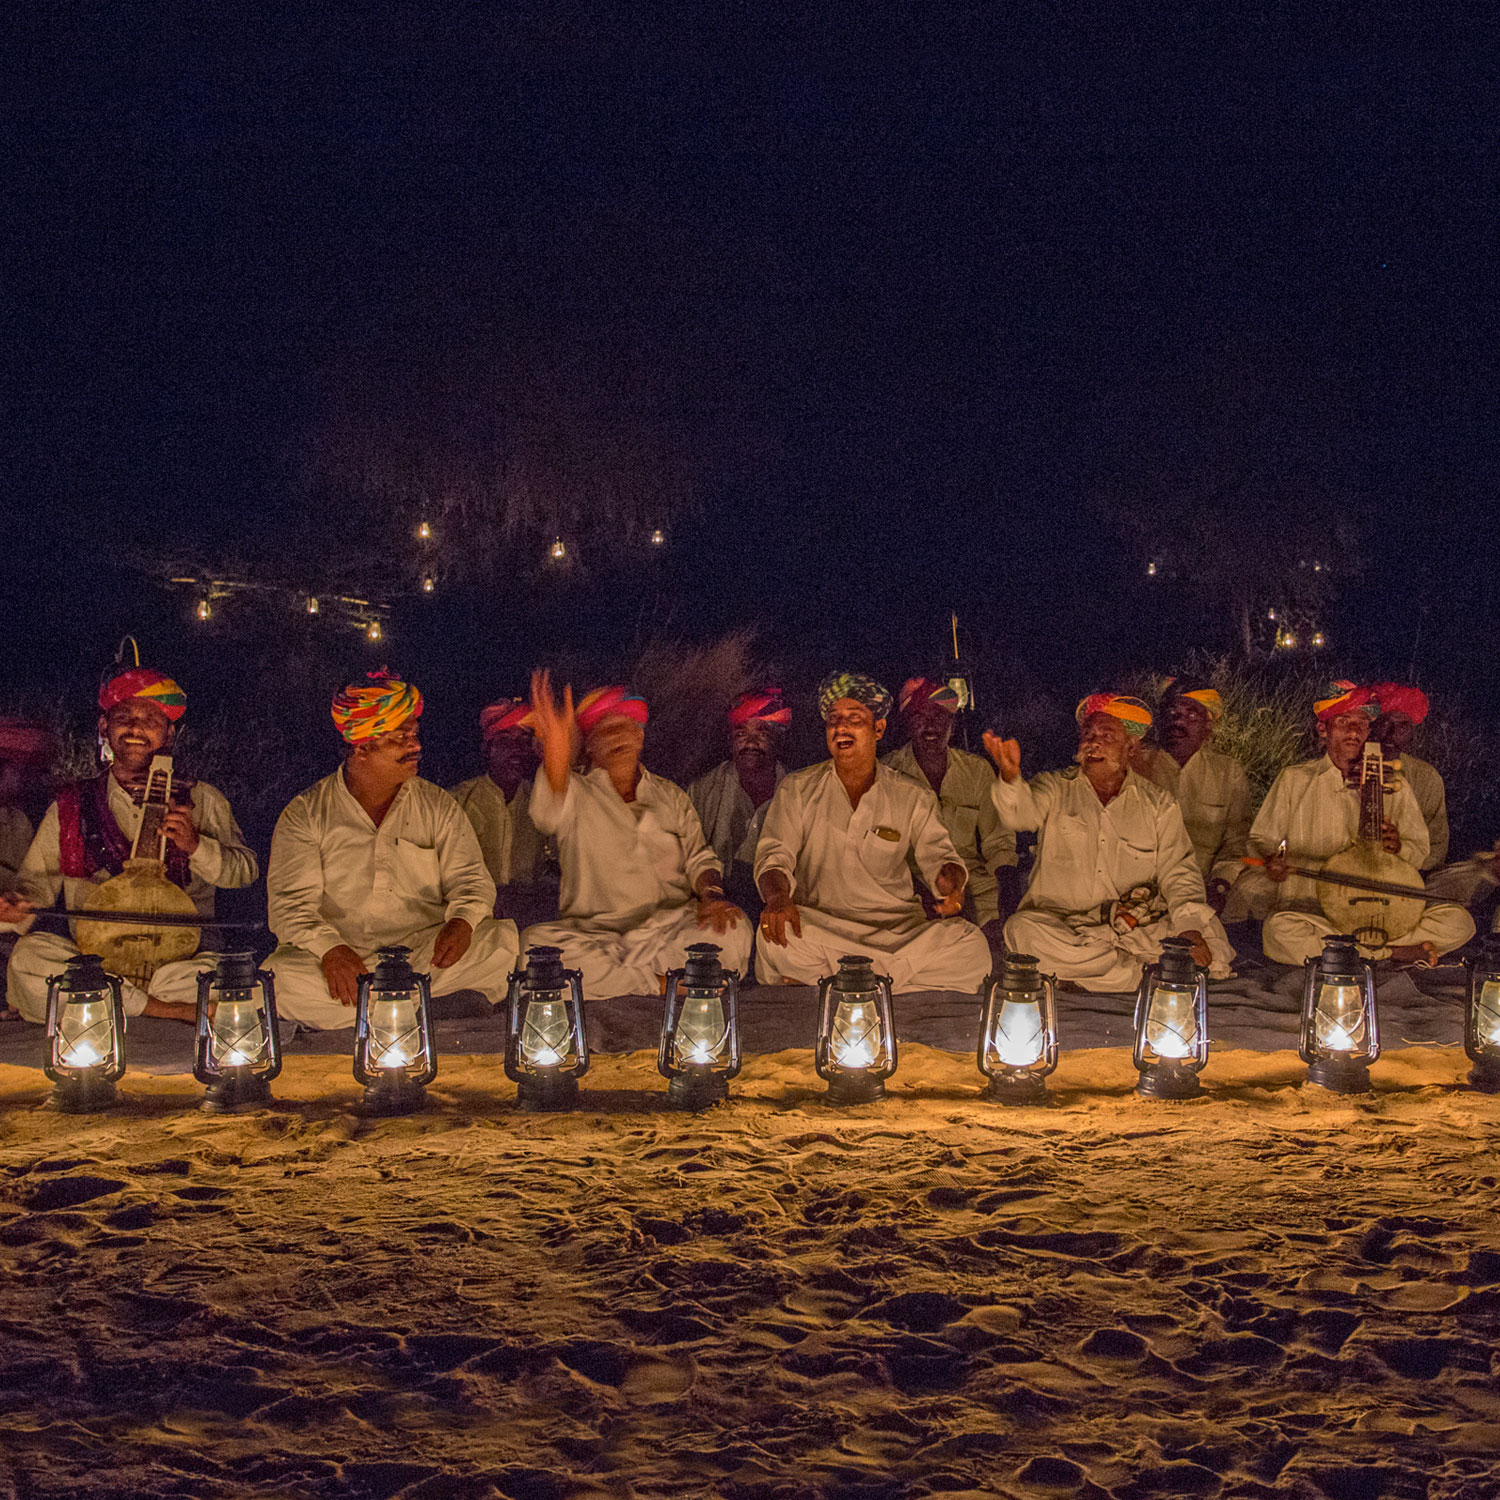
(731, 800)
(1114, 871)
(639, 884)
(26, 753)
(498, 804)
(1312, 812)
(961, 782)
(1211, 787)
(371, 856)
(1400, 710)
(86, 835)
(832, 863)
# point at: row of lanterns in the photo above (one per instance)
(237, 1050)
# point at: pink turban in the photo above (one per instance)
(1342, 697)
(764, 704)
(1398, 698)
(144, 682)
(610, 702)
(503, 715)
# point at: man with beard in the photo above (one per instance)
(1311, 813)
(832, 863)
(639, 883)
(1211, 788)
(961, 783)
(1400, 710)
(1115, 872)
(373, 856)
(731, 800)
(498, 804)
(86, 835)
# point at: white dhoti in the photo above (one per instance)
(40, 955)
(1293, 935)
(946, 954)
(1098, 957)
(302, 991)
(632, 962)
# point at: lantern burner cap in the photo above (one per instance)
(856, 973)
(236, 971)
(1177, 966)
(703, 969)
(85, 972)
(544, 969)
(1341, 959)
(1021, 972)
(393, 970)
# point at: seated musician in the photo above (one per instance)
(373, 856)
(1115, 872)
(1310, 814)
(86, 835)
(1401, 710)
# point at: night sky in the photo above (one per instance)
(927, 285)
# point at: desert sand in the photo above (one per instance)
(1271, 1291)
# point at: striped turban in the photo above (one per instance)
(1398, 698)
(918, 692)
(853, 685)
(763, 704)
(377, 706)
(1131, 712)
(1199, 691)
(1343, 697)
(608, 703)
(502, 715)
(144, 682)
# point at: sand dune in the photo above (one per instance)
(1268, 1292)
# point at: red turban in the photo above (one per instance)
(20, 739)
(503, 715)
(917, 692)
(610, 702)
(144, 682)
(1398, 698)
(1342, 697)
(764, 704)
(376, 706)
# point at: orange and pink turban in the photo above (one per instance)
(144, 682)
(1200, 692)
(1131, 712)
(918, 692)
(763, 704)
(502, 716)
(376, 706)
(1342, 697)
(1399, 698)
(608, 703)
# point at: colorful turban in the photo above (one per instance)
(611, 702)
(918, 692)
(21, 739)
(1398, 698)
(502, 715)
(1342, 697)
(377, 706)
(853, 685)
(144, 682)
(764, 704)
(1196, 689)
(1131, 712)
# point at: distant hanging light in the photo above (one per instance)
(428, 584)
(312, 604)
(238, 1043)
(85, 1056)
(546, 1047)
(856, 1044)
(1340, 1026)
(1482, 1017)
(1018, 1032)
(394, 1054)
(424, 532)
(1150, 570)
(1171, 1023)
(1270, 614)
(1317, 567)
(658, 537)
(204, 610)
(700, 1034)
(557, 551)
(1319, 640)
(372, 631)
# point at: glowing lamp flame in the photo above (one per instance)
(1018, 1041)
(1339, 1022)
(82, 1054)
(1172, 1022)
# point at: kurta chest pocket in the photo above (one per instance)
(883, 851)
(418, 871)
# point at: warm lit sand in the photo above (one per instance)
(1271, 1291)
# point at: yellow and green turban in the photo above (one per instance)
(376, 706)
(853, 685)
(1131, 712)
(1199, 691)
(1342, 697)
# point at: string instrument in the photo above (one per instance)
(137, 951)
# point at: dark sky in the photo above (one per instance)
(944, 259)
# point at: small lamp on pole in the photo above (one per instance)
(700, 1031)
(856, 1046)
(1171, 1023)
(546, 1045)
(1340, 1026)
(85, 1036)
(394, 1054)
(1018, 1031)
(238, 1044)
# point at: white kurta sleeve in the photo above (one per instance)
(222, 857)
(1274, 820)
(997, 844)
(931, 845)
(1178, 877)
(781, 835)
(294, 884)
(697, 856)
(1022, 805)
(39, 880)
(1403, 811)
(468, 891)
(1229, 860)
(1435, 815)
(549, 812)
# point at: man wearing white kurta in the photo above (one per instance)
(639, 882)
(96, 823)
(373, 856)
(832, 863)
(498, 804)
(1312, 812)
(1114, 871)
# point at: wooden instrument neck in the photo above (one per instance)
(1372, 789)
(156, 802)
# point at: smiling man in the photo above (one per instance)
(832, 863)
(86, 835)
(373, 856)
(639, 882)
(1115, 872)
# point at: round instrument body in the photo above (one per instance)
(1376, 919)
(136, 953)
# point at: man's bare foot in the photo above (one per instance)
(166, 1012)
(792, 982)
(1414, 955)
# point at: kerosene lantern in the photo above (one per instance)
(700, 1031)
(1171, 1023)
(394, 1054)
(1482, 1017)
(856, 1045)
(1340, 1027)
(546, 1045)
(85, 1036)
(1018, 1031)
(238, 1045)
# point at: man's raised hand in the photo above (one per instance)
(1005, 753)
(555, 728)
